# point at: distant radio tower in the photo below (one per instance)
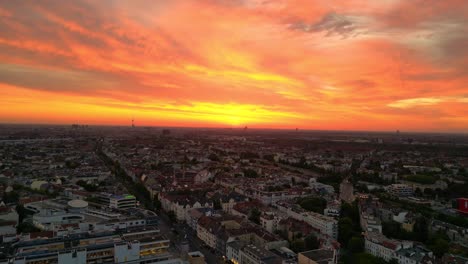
(133, 122)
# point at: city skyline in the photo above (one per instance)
(320, 65)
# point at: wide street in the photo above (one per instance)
(176, 232)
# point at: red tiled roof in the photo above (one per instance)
(49, 234)
(390, 245)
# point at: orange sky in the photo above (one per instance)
(355, 64)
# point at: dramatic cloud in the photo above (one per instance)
(358, 64)
(331, 23)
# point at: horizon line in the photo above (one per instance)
(248, 128)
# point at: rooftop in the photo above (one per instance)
(319, 255)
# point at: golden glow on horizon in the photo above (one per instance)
(84, 109)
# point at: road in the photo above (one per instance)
(183, 230)
(173, 231)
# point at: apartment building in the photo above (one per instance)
(380, 246)
(325, 224)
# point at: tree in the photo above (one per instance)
(72, 164)
(213, 157)
(249, 155)
(11, 197)
(365, 258)
(172, 216)
(345, 230)
(250, 173)
(463, 172)
(255, 215)
(86, 186)
(421, 229)
(351, 211)
(428, 192)
(418, 192)
(22, 212)
(311, 242)
(157, 203)
(298, 245)
(438, 243)
(356, 244)
(269, 157)
(440, 246)
(314, 204)
(26, 227)
(217, 204)
(391, 229)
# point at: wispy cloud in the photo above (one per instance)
(426, 101)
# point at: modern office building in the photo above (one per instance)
(123, 201)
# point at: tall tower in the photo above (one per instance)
(133, 122)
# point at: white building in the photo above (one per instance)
(333, 209)
(370, 223)
(233, 250)
(269, 221)
(319, 187)
(124, 201)
(405, 252)
(48, 219)
(251, 254)
(181, 206)
(380, 246)
(414, 255)
(327, 225)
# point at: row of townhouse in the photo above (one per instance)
(404, 252)
(455, 233)
(268, 198)
(325, 224)
(182, 204)
(243, 253)
(217, 231)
